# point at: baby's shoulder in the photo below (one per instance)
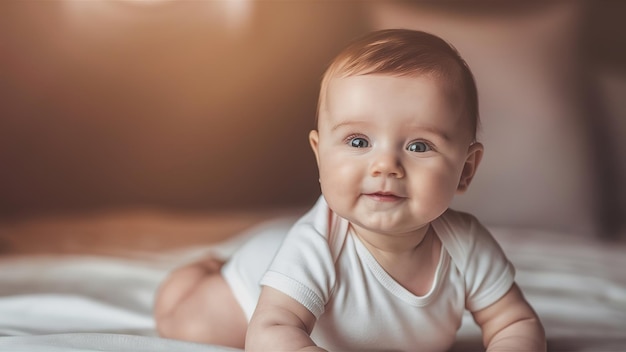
(459, 224)
(321, 227)
(463, 236)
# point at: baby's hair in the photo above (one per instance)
(405, 52)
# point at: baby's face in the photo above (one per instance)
(391, 151)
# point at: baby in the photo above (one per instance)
(380, 262)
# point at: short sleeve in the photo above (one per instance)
(304, 267)
(488, 273)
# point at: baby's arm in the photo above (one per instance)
(280, 323)
(511, 324)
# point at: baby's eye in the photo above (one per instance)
(418, 147)
(358, 142)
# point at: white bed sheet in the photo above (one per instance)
(94, 303)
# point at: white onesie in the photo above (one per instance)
(358, 306)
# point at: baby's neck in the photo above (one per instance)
(411, 260)
(394, 245)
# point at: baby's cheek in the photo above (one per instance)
(438, 187)
(340, 182)
(447, 185)
(338, 168)
(344, 172)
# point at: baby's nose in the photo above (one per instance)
(387, 164)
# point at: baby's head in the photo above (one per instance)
(396, 134)
(403, 52)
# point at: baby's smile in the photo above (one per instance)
(386, 197)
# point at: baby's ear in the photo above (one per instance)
(474, 156)
(314, 139)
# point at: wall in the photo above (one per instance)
(195, 106)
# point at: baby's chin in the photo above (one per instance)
(391, 226)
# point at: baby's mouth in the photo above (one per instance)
(384, 196)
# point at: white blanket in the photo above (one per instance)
(90, 303)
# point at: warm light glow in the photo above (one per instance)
(231, 14)
(143, 2)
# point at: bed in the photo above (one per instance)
(101, 299)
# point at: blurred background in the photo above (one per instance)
(200, 106)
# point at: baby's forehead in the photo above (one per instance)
(354, 96)
(340, 87)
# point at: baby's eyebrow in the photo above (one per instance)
(347, 124)
(432, 130)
